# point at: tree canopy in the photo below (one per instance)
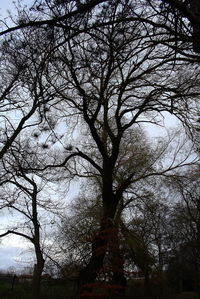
(79, 80)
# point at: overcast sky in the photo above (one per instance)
(6, 5)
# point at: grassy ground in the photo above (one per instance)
(47, 292)
(57, 290)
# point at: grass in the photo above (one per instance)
(57, 290)
(23, 291)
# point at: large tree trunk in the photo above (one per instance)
(37, 276)
(99, 248)
(106, 240)
(100, 245)
(117, 262)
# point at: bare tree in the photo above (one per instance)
(140, 240)
(26, 196)
(108, 79)
(23, 88)
(181, 18)
(113, 78)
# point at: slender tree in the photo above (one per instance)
(23, 195)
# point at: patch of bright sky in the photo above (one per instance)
(169, 121)
(9, 255)
(8, 7)
(13, 250)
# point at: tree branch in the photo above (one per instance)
(18, 234)
(52, 22)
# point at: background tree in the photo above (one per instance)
(185, 230)
(25, 195)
